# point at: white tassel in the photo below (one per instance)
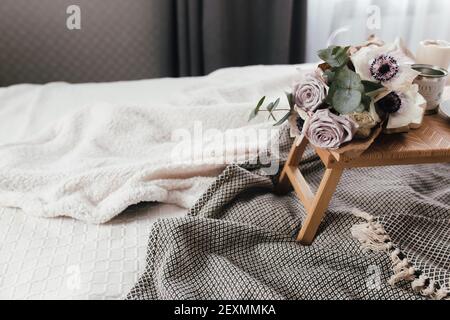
(442, 293)
(370, 239)
(373, 237)
(429, 291)
(394, 256)
(402, 265)
(419, 283)
(402, 274)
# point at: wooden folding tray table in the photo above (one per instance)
(428, 144)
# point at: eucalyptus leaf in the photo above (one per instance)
(257, 108)
(370, 86)
(330, 74)
(273, 105)
(290, 99)
(285, 117)
(346, 92)
(335, 56)
(347, 101)
(348, 79)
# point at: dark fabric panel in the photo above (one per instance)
(214, 34)
(118, 40)
(189, 17)
(297, 44)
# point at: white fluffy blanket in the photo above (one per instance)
(93, 163)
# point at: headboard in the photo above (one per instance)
(117, 40)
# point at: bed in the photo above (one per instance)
(64, 258)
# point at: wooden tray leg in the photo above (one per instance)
(319, 205)
(315, 205)
(292, 162)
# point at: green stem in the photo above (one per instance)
(275, 110)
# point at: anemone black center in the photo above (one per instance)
(385, 68)
(390, 103)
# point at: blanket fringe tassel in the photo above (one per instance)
(373, 237)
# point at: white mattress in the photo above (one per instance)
(68, 259)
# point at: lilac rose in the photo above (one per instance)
(327, 130)
(310, 93)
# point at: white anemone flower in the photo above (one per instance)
(389, 64)
(404, 106)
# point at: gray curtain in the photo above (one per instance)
(212, 34)
(137, 39)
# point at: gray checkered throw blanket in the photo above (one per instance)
(386, 235)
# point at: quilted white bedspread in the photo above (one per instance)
(63, 258)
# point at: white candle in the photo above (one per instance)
(434, 52)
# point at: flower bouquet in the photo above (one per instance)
(353, 96)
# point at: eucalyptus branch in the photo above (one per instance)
(274, 110)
